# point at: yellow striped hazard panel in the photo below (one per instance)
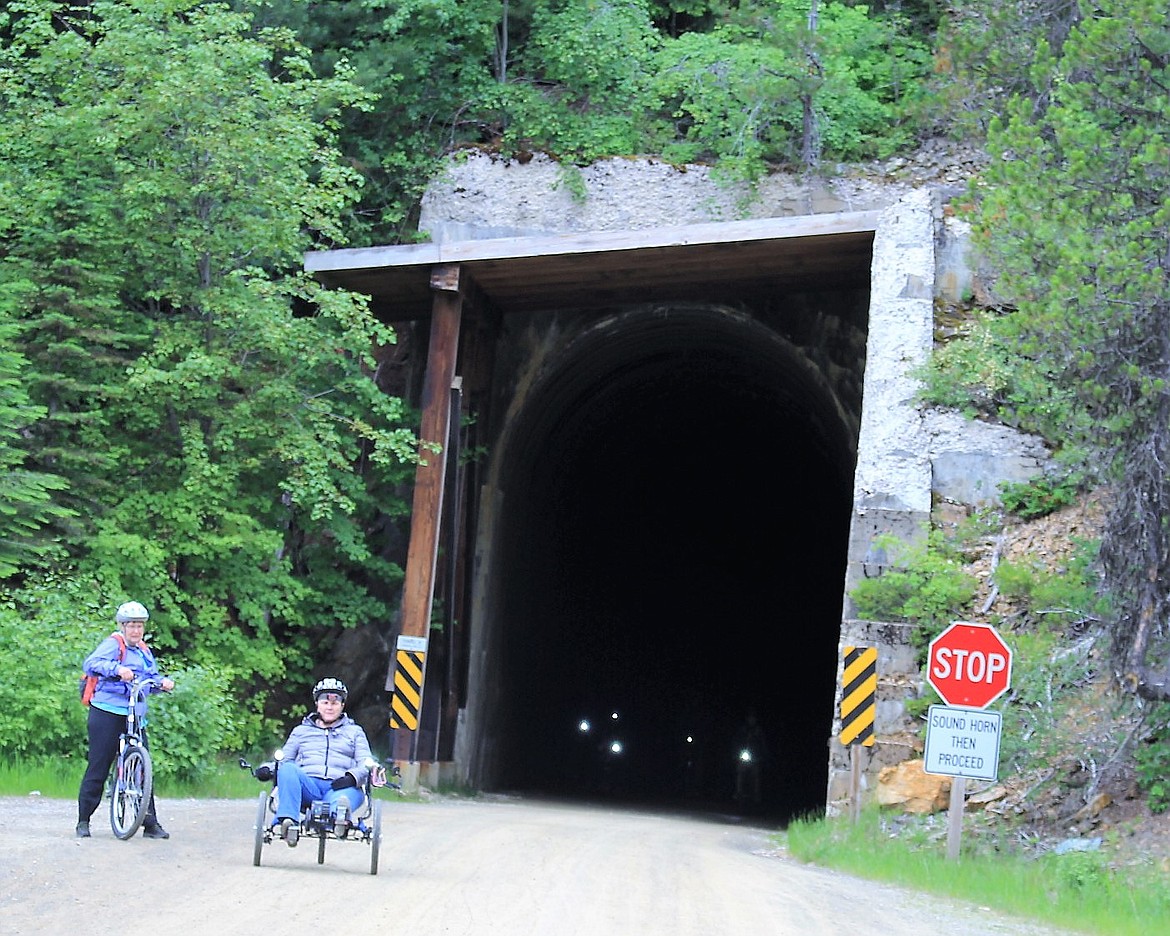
(408, 683)
(858, 696)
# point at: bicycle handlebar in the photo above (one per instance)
(138, 685)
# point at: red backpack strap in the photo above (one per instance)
(117, 635)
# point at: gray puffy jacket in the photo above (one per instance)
(327, 753)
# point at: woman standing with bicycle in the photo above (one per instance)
(117, 666)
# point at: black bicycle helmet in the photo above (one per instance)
(329, 684)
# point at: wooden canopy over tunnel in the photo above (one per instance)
(732, 261)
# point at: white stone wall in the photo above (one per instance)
(893, 463)
(480, 196)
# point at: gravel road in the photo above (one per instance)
(489, 865)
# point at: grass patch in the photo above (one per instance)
(59, 778)
(1078, 891)
(56, 778)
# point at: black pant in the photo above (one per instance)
(104, 729)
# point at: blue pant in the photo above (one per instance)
(295, 790)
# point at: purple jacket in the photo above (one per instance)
(111, 694)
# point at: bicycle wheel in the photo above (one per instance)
(261, 818)
(375, 837)
(130, 789)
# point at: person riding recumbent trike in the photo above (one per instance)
(323, 779)
(361, 824)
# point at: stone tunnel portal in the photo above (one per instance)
(671, 550)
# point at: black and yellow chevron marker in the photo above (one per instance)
(858, 696)
(408, 682)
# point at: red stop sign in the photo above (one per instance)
(969, 665)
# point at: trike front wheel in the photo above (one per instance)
(375, 837)
(261, 819)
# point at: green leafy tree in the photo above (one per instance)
(674, 17)
(182, 159)
(585, 82)
(424, 64)
(1073, 213)
(743, 85)
(773, 84)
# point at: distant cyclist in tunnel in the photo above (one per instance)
(324, 758)
(751, 751)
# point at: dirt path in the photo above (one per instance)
(475, 867)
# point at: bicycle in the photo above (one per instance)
(132, 776)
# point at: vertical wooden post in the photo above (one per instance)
(418, 589)
(854, 783)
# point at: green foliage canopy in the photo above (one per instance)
(213, 411)
(725, 83)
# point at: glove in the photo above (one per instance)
(343, 782)
(263, 773)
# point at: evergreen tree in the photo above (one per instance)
(27, 504)
(1075, 213)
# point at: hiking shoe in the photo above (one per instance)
(341, 828)
(155, 831)
(290, 832)
(83, 830)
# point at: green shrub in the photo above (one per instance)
(1039, 496)
(1080, 870)
(1048, 676)
(1069, 595)
(190, 726)
(47, 629)
(1152, 759)
(925, 586)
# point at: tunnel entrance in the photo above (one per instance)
(661, 526)
(671, 557)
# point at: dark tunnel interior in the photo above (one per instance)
(675, 561)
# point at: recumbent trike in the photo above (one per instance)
(364, 824)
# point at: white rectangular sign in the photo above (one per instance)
(962, 742)
(412, 643)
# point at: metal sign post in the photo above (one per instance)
(961, 743)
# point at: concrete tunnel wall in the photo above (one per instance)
(664, 534)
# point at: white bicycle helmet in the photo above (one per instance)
(131, 611)
(329, 684)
